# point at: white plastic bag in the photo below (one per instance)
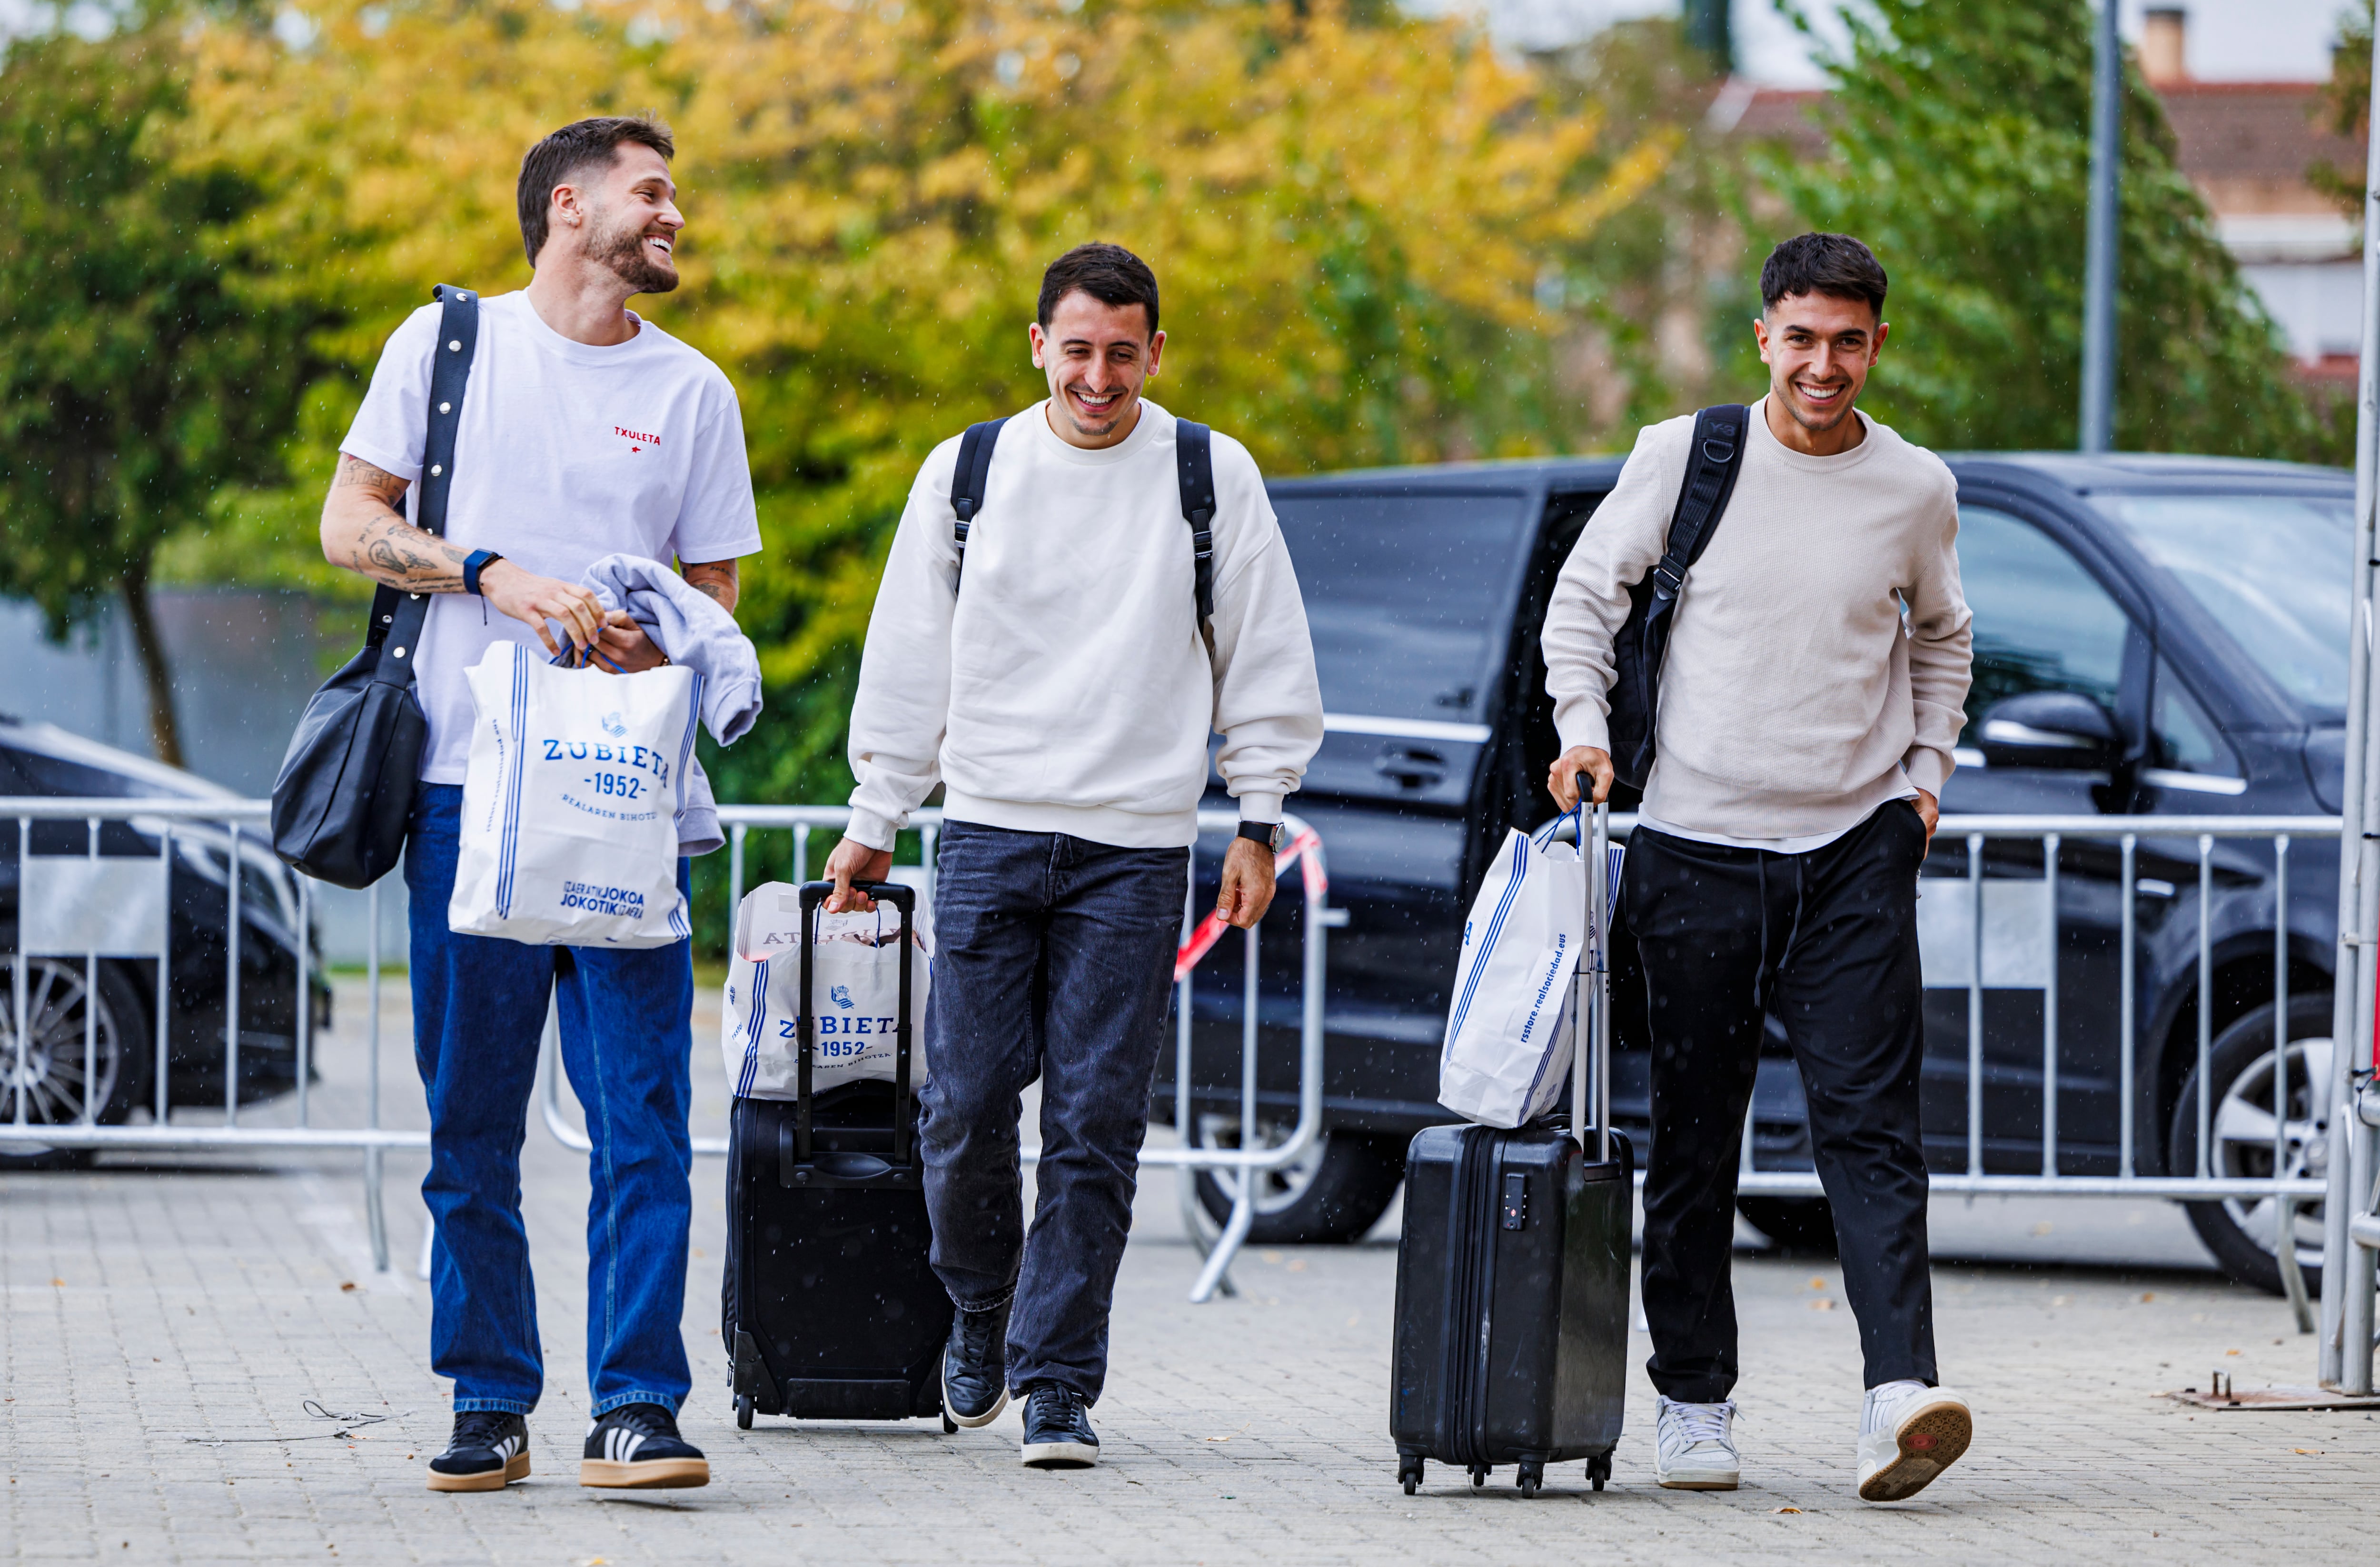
(855, 979)
(570, 803)
(1508, 1043)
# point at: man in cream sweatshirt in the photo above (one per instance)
(1811, 693)
(1060, 687)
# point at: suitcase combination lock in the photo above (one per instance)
(1516, 1199)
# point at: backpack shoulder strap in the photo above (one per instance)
(967, 482)
(1194, 456)
(396, 617)
(1712, 463)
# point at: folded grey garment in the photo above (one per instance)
(694, 630)
(699, 832)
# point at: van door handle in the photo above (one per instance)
(1411, 766)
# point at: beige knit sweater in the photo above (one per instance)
(1796, 697)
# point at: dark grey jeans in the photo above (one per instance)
(1055, 959)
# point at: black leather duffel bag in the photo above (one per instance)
(344, 796)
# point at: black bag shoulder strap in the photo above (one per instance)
(1194, 459)
(1712, 463)
(398, 617)
(968, 479)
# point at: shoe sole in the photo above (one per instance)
(516, 1468)
(986, 1418)
(1731, 1483)
(1060, 1455)
(652, 1474)
(1929, 1441)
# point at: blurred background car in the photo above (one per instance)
(60, 1005)
(2153, 635)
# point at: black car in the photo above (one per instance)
(2153, 635)
(42, 759)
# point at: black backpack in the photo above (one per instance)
(1194, 456)
(1644, 640)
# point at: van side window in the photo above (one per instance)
(2041, 622)
(2185, 739)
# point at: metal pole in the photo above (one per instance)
(2049, 1016)
(90, 1012)
(164, 960)
(375, 1216)
(2205, 1002)
(2124, 1005)
(1976, 1009)
(2285, 1241)
(2099, 262)
(2357, 862)
(231, 985)
(17, 1076)
(305, 994)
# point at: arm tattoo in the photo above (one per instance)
(381, 484)
(716, 579)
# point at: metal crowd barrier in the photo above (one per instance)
(114, 907)
(1234, 1167)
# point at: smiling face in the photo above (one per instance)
(1097, 356)
(623, 217)
(1819, 349)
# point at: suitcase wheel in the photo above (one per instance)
(1598, 1470)
(1479, 1475)
(743, 1412)
(1529, 1478)
(1409, 1470)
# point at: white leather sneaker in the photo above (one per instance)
(1912, 1437)
(1695, 1447)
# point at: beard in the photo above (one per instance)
(624, 251)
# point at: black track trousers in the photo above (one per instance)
(1827, 942)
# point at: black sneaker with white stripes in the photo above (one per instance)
(636, 1447)
(488, 1452)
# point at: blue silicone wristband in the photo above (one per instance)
(473, 563)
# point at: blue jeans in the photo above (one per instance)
(478, 1010)
(1054, 958)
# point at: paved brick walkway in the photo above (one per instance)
(159, 1322)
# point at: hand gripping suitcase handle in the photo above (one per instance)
(814, 894)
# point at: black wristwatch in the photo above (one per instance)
(1268, 834)
(475, 563)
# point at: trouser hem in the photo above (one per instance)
(622, 1401)
(495, 1406)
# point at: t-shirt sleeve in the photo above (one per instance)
(719, 520)
(394, 422)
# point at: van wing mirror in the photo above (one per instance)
(2050, 729)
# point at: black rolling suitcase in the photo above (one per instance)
(829, 1308)
(1512, 1317)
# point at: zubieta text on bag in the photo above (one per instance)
(856, 976)
(570, 803)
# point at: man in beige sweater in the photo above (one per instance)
(1817, 665)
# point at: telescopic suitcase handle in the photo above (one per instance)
(814, 893)
(1591, 984)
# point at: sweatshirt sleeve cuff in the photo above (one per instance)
(870, 829)
(1579, 721)
(1265, 810)
(1929, 769)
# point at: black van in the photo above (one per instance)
(2173, 631)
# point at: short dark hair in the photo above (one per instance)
(1823, 263)
(581, 142)
(1109, 274)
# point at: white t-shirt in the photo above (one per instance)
(566, 453)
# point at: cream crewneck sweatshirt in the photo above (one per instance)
(1062, 685)
(1796, 698)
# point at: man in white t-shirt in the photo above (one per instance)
(584, 432)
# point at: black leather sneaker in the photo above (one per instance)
(636, 1447)
(1058, 1429)
(488, 1452)
(974, 1367)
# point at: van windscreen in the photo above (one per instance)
(1404, 595)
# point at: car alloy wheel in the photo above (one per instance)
(2243, 1233)
(1334, 1191)
(51, 1078)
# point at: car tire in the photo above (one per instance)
(1803, 1224)
(2241, 1232)
(1332, 1196)
(55, 993)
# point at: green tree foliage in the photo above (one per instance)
(1959, 148)
(139, 372)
